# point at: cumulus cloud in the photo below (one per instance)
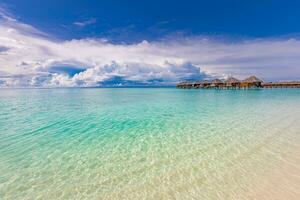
(31, 58)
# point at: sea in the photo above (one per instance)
(149, 143)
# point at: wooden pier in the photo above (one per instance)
(292, 84)
(232, 83)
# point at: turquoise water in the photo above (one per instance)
(143, 143)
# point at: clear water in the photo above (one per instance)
(143, 143)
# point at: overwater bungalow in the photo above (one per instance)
(205, 84)
(199, 84)
(185, 85)
(217, 83)
(232, 83)
(251, 82)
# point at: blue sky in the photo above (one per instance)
(91, 43)
(131, 21)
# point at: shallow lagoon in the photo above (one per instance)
(149, 143)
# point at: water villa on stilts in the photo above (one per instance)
(217, 83)
(232, 83)
(251, 82)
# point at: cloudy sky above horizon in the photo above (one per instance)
(113, 43)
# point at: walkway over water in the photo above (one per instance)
(233, 83)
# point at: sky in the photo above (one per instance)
(64, 43)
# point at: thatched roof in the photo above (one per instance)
(232, 80)
(216, 81)
(252, 79)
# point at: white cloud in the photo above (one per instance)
(27, 58)
(86, 22)
(4, 14)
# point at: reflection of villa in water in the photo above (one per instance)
(233, 83)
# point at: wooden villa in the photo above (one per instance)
(184, 85)
(205, 84)
(251, 82)
(217, 83)
(232, 83)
